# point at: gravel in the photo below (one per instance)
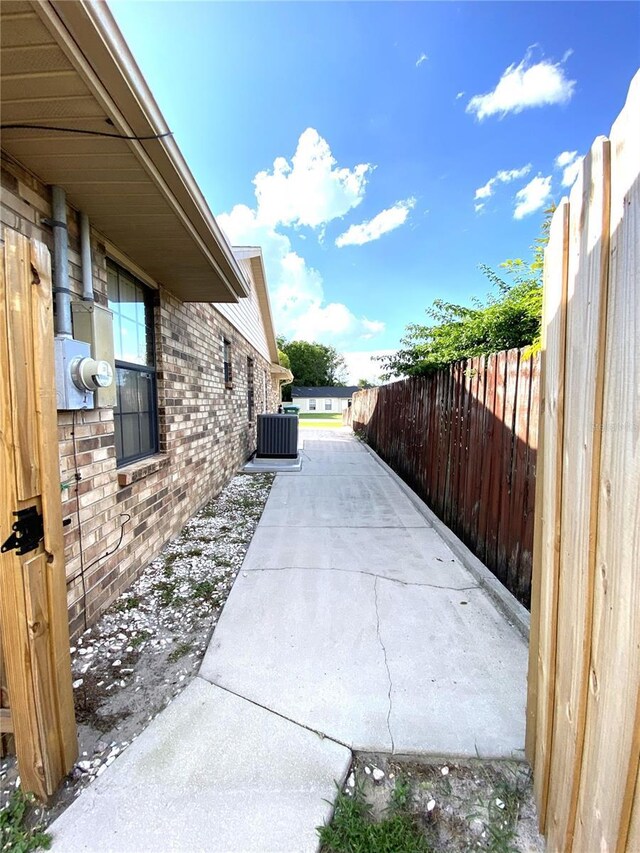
(148, 646)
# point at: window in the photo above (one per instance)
(312, 405)
(250, 394)
(228, 370)
(135, 418)
(327, 405)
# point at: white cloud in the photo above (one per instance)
(533, 196)
(296, 289)
(570, 163)
(312, 189)
(504, 176)
(372, 328)
(523, 86)
(478, 207)
(460, 95)
(385, 221)
(565, 158)
(422, 58)
(363, 365)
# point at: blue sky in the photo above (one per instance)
(380, 151)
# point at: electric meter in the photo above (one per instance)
(89, 374)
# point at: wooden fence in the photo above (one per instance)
(465, 440)
(583, 733)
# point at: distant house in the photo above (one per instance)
(323, 399)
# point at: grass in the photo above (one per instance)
(180, 651)
(353, 829)
(15, 834)
(167, 591)
(500, 813)
(320, 420)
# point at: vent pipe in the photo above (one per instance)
(85, 254)
(61, 291)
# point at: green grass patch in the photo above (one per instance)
(127, 604)
(180, 651)
(324, 423)
(15, 833)
(166, 591)
(354, 830)
(323, 416)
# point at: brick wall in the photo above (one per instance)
(204, 430)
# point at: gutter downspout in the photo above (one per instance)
(61, 291)
(85, 255)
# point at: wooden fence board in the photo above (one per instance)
(631, 841)
(22, 377)
(586, 306)
(46, 419)
(549, 497)
(505, 519)
(612, 741)
(445, 435)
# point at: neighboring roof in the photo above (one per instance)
(326, 391)
(254, 255)
(66, 64)
(252, 316)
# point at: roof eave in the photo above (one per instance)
(90, 34)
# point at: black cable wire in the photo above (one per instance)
(81, 573)
(115, 548)
(84, 569)
(86, 132)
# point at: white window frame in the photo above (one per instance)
(328, 405)
(313, 405)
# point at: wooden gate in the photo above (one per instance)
(33, 608)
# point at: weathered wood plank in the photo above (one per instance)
(20, 369)
(13, 623)
(505, 518)
(47, 447)
(542, 650)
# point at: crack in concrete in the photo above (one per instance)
(386, 662)
(361, 572)
(317, 732)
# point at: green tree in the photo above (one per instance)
(509, 317)
(312, 364)
(283, 358)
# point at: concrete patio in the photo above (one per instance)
(351, 626)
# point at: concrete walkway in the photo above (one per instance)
(352, 626)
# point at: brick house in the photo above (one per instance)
(193, 349)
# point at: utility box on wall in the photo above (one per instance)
(68, 394)
(94, 324)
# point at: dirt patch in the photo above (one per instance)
(456, 805)
(148, 646)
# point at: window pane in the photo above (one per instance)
(327, 405)
(129, 346)
(130, 436)
(312, 405)
(129, 297)
(146, 435)
(134, 414)
(127, 391)
(145, 392)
